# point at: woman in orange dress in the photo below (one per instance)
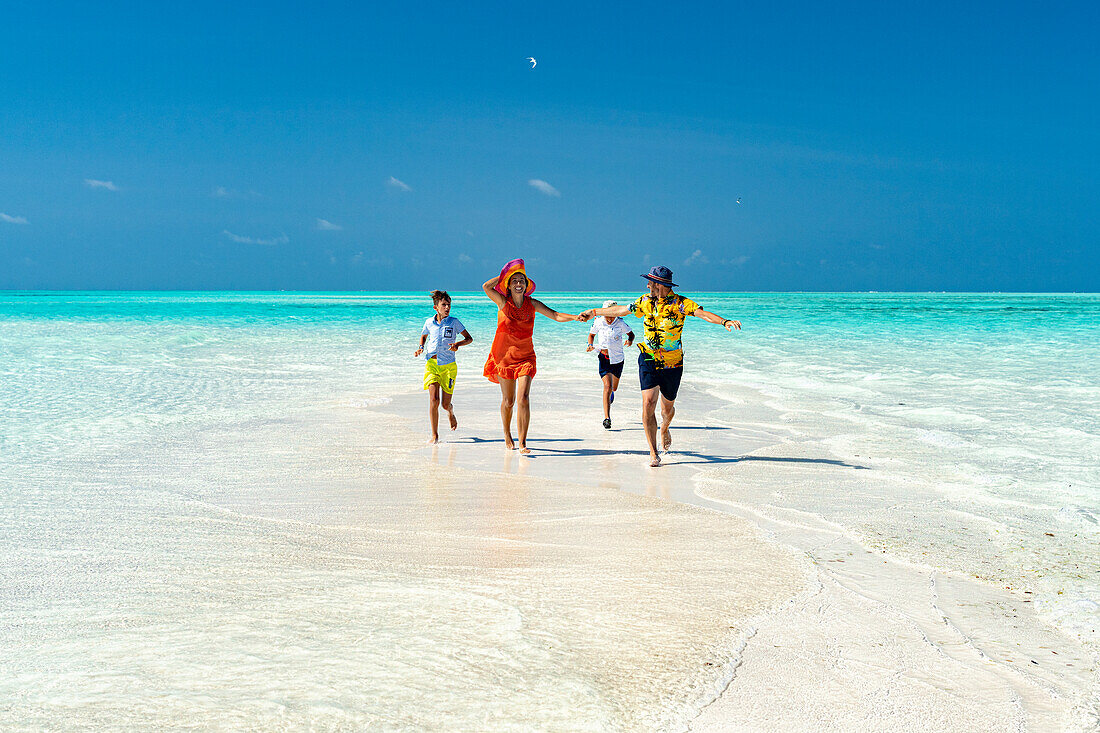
(511, 361)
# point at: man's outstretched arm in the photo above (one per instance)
(709, 317)
(614, 310)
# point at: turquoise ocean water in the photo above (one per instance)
(983, 406)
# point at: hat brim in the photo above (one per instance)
(659, 281)
(513, 267)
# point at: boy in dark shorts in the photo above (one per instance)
(607, 333)
(661, 361)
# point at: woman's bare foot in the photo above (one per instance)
(433, 440)
(524, 449)
(509, 443)
(655, 461)
(454, 420)
(666, 439)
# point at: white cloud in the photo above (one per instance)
(736, 260)
(399, 185)
(93, 183)
(327, 226)
(281, 239)
(463, 257)
(221, 192)
(697, 257)
(12, 219)
(377, 262)
(545, 187)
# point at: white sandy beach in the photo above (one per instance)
(866, 642)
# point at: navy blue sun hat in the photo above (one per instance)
(660, 275)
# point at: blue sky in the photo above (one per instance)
(348, 146)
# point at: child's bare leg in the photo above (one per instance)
(523, 414)
(433, 411)
(450, 410)
(607, 390)
(507, 401)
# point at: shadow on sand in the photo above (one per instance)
(692, 456)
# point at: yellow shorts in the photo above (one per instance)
(442, 374)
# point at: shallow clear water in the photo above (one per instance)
(983, 407)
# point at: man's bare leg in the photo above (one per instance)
(523, 413)
(649, 422)
(507, 400)
(668, 411)
(450, 410)
(433, 411)
(607, 391)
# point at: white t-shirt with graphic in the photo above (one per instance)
(609, 337)
(440, 337)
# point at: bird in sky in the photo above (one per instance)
(533, 62)
(738, 199)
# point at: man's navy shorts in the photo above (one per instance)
(606, 367)
(650, 376)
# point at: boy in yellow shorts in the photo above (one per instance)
(438, 343)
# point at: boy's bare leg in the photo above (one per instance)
(507, 400)
(649, 422)
(607, 390)
(523, 414)
(450, 410)
(433, 411)
(668, 411)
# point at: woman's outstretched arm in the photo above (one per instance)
(549, 312)
(490, 289)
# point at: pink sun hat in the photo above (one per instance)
(506, 273)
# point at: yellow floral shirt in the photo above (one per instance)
(663, 319)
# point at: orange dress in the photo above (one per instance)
(512, 354)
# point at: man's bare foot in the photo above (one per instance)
(454, 421)
(666, 439)
(655, 462)
(433, 440)
(509, 443)
(524, 450)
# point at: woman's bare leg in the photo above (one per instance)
(523, 411)
(607, 390)
(507, 400)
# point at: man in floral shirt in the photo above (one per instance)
(661, 361)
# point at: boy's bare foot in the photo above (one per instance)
(666, 439)
(454, 420)
(655, 462)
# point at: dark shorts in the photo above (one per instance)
(606, 367)
(650, 376)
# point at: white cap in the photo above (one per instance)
(609, 303)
